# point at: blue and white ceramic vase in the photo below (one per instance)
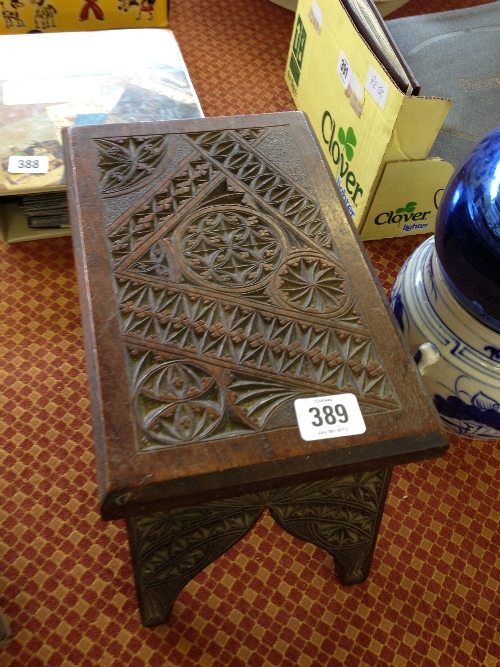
(446, 298)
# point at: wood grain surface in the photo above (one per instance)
(220, 280)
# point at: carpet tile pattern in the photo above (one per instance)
(66, 584)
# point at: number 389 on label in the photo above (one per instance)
(329, 416)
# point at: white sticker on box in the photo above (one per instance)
(316, 17)
(28, 164)
(344, 70)
(377, 87)
(334, 416)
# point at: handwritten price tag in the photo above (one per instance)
(329, 417)
(376, 87)
(27, 164)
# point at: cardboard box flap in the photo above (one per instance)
(416, 128)
(419, 185)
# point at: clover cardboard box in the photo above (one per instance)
(375, 138)
(21, 16)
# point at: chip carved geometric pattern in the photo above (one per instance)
(229, 247)
(128, 162)
(229, 284)
(170, 547)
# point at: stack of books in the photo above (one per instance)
(65, 79)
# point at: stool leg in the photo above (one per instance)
(169, 548)
(341, 516)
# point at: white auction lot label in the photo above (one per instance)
(344, 70)
(329, 416)
(28, 164)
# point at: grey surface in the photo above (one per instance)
(456, 54)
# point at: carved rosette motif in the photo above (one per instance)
(229, 247)
(124, 163)
(311, 284)
(226, 265)
(340, 515)
(178, 402)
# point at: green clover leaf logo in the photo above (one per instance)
(409, 208)
(348, 141)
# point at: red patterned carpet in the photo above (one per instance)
(66, 581)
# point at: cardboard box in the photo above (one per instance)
(365, 123)
(22, 16)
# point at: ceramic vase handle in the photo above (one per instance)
(427, 355)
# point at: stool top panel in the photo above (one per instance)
(221, 280)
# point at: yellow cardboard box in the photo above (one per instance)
(21, 16)
(369, 130)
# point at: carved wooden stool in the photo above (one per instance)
(221, 281)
